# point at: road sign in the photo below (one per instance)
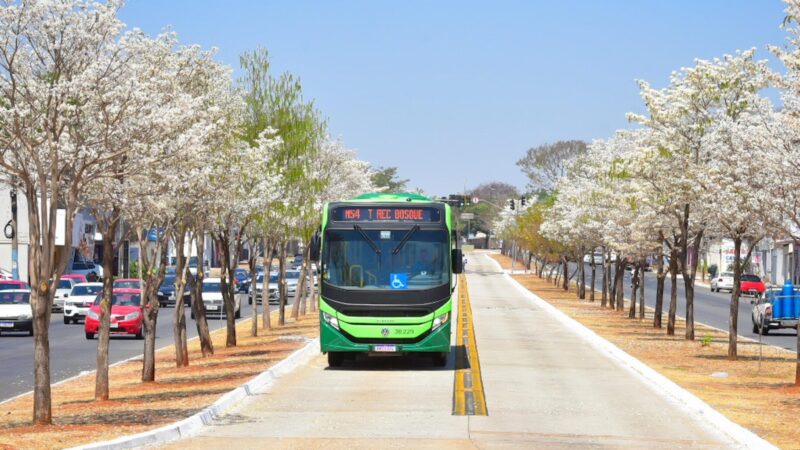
(467, 216)
(475, 200)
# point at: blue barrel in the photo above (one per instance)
(782, 304)
(796, 304)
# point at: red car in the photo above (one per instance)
(752, 284)
(127, 283)
(79, 278)
(126, 314)
(13, 284)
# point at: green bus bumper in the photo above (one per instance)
(331, 340)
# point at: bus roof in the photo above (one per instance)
(391, 197)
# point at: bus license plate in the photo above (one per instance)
(385, 348)
(6, 324)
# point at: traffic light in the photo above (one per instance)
(511, 203)
(458, 200)
(522, 201)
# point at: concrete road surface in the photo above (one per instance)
(544, 386)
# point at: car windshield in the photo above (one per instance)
(79, 266)
(387, 259)
(7, 286)
(293, 275)
(14, 298)
(86, 290)
(168, 281)
(212, 286)
(273, 278)
(192, 261)
(64, 284)
(130, 284)
(121, 299)
(726, 275)
(751, 278)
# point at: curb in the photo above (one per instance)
(193, 424)
(694, 406)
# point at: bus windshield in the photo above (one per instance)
(386, 259)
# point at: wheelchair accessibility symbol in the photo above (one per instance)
(398, 280)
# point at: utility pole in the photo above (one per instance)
(14, 241)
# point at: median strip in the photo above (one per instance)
(468, 394)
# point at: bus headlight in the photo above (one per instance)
(330, 320)
(441, 320)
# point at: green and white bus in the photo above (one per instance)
(387, 266)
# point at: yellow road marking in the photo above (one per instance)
(468, 395)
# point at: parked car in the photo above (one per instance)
(777, 308)
(722, 281)
(260, 289)
(14, 284)
(80, 299)
(166, 293)
(78, 278)
(86, 268)
(15, 311)
(292, 278)
(192, 264)
(128, 283)
(752, 285)
(62, 292)
(212, 299)
(126, 314)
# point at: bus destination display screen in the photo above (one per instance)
(385, 214)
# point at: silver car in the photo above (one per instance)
(723, 281)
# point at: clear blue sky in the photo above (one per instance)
(454, 92)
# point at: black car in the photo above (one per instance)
(166, 293)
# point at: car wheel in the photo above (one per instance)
(335, 359)
(250, 301)
(238, 314)
(765, 330)
(89, 336)
(755, 328)
(440, 359)
(192, 315)
(30, 332)
(67, 320)
(139, 335)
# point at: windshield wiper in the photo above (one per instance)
(405, 239)
(366, 238)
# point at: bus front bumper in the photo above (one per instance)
(331, 340)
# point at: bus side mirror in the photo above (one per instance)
(314, 248)
(458, 260)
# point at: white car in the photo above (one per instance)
(212, 299)
(722, 281)
(598, 259)
(62, 293)
(80, 299)
(15, 311)
(292, 278)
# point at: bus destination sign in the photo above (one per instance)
(385, 214)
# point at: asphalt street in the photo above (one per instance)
(710, 308)
(71, 353)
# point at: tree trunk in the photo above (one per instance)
(660, 276)
(641, 291)
(604, 287)
(634, 288)
(227, 285)
(282, 293)
(581, 276)
(565, 263)
(591, 292)
(619, 283)
(149, 324)
(179, 324)
(150, 306)
(251, 264)
(198, 307)
(673, 293)
(101, 382)
(733, 319)
(269, 247)
(300, 290)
